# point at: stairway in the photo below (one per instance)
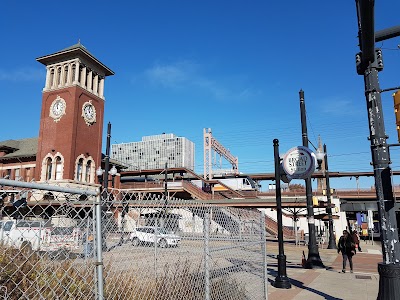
(272, 227)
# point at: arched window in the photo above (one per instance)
(51, 77)
(73, 72)
(58, 168)
(80, 74)
(88, 169)
(49, 168)
(79, 170)
(58, 76)
(88, 78)
(66, 74)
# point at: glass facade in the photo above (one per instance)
(152, 152)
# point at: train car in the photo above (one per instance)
(239, 183)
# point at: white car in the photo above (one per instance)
(148, 234)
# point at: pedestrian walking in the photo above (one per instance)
(356, 240)
(347, 247)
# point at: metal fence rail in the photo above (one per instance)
(62, 242)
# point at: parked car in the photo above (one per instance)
(148, 235)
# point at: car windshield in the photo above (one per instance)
(162, 231)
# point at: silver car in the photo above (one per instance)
(148, 235)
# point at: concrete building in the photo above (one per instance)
(153, 151)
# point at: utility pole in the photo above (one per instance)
(313, 260)
(332, 241)
(369, 62)
(166, 184)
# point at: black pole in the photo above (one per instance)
(369, 66)
(281, 281)
(166, 184)
(104, 193)
(389, 270)
(313, 260)
(112, 180)
(332, 241)
(107, 157)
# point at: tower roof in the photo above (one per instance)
(77, 50)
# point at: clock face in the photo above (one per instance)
(57, 108)
(89, 113)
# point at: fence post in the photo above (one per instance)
(206, 256)
(99, 254)
(264, 255)
(155, 249)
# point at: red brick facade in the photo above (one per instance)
(70, 136)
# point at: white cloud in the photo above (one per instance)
(174, 75)
(27, 74)
(339, 107)
(187, 75)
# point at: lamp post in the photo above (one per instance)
(313, 260)
(113, 172)
(103, 179)
(281, 281)
(332, 241)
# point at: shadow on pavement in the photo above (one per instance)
(300, 285)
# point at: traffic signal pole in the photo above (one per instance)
(369, 63)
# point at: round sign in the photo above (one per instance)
(299, 163)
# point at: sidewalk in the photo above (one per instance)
(328, 283)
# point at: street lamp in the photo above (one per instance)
(99, 173)
(113, 172)
(313, 260)
(281, 281)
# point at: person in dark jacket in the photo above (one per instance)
(347, 247)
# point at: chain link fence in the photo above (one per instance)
(64, 242)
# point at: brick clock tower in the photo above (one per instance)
(71, 122)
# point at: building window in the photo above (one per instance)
(73, 72)
(17, 174)
(88, 169)
(58, 168)
(28, 174)
(79, 170)
(51, 77)
(58, 76)
(49, 167)
(66, 74)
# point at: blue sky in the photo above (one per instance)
(233, 66)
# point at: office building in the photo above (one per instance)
(152, 152)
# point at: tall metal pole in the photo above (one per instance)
(332, 241)
(99, 242)
(389, 270)
(281, 281)
(313, 260)
(107, 157)
(369, 63)
(104, 193)
(166, 183)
